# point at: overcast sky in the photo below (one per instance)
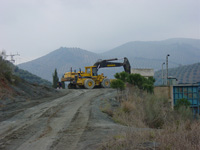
(36, 27)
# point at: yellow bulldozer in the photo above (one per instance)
(90, 78)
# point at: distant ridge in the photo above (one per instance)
(62, 59)
(152, 53)
(141, 54)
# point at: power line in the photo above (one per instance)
(12, 57)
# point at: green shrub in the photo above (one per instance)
(138, 80)
(118, 84)
(122, 76)
(182, 102)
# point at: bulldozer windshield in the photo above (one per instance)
(94, 71)
(88, 70)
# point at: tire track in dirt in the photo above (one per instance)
(69, 138)
(58, 124)
(23, 126)
(55, 125)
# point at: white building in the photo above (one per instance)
(144, 72)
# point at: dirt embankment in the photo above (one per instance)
(73, 121)
(16, 96)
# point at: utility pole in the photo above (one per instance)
(167, 68)
(162, 74)
(12, 57)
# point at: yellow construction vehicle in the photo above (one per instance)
(90, 78)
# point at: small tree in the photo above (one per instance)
(55, 79)
(141, 82)
(119, 85)
(122, 76)
(136, 79)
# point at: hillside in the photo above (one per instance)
(16, 93)
(29, 77)
(12, 85)
(150, 54)
(184, 74)
(62, 59)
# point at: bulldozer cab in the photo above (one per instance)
(91, 70)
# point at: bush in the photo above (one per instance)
(122, 76)
(182, 102)
(118, 84)
(141, 82)
(137, 80)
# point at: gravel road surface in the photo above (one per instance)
(71, 122)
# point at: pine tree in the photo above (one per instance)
(55, 79)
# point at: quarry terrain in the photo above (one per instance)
(72, 120)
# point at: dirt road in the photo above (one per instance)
(73, 121)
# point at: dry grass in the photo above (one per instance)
(185, 136)
(172, 130)
(131, 140)
(107, 108)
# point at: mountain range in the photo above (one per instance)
(141, 54)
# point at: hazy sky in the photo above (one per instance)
(36, 27)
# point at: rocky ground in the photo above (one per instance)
(73, 120)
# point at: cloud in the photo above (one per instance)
(37, 27)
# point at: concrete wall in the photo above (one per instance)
(143, 72)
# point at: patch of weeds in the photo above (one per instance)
(106, 108)
(131, 139)
(127, 106)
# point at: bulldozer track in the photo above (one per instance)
(55, 125)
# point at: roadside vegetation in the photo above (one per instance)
(56, 83)
(14, 74)
(29, 77)
(151, 121)
(137, 80)
(5, 69)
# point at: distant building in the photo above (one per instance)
(143, 72)
(191, 92)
